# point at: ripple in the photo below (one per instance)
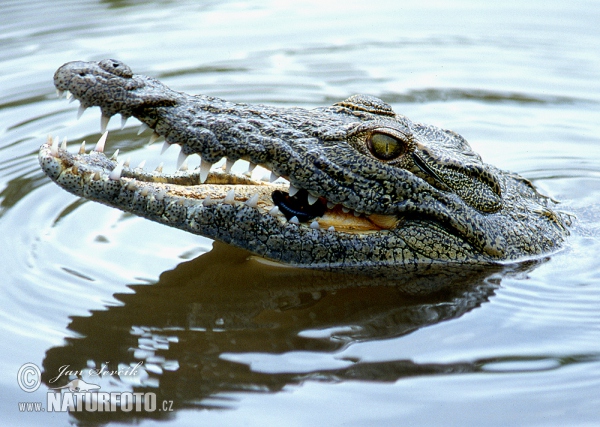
(482, 96)
(84, 284)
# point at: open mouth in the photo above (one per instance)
(347, 184)
(207, 184)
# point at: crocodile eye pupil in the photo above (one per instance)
(385, 147)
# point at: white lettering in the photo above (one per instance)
(103, 402)
(30, 407)
(150, 402)
(126, 401)
(138, 398)
(91, 404)
(68, 402)
(126, 372)
(53, 401)
(114, 398)
(64, 370)
(97, 402)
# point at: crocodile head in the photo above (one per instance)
(354, 184)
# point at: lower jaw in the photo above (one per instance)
(219, 187)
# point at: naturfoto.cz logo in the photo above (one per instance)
(79, 395)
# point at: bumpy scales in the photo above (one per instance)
(362, 185)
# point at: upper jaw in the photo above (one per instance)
(142, 97)
(360, 205)
(91, 174)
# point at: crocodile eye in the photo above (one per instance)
(385, 147)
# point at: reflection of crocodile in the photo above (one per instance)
(193, 326)
(367, 186)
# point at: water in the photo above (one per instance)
(231, 341)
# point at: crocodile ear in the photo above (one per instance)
(367, 103)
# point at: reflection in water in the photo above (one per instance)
(187, 326)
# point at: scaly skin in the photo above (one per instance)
(385, 191)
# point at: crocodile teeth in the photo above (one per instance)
(311, 199)
(123, 121)
(127, 162)
(159, 168)
(153, 138)
(357, 214)
(143, 127)
(293, 190)
(101, 142)
(115, 155)
(208, 201)
(251, 167)
(330, 205)
(274, 211)
(345, 209)
(315, 225)
(59, 93)
(184, 166)
(252, 201)
(165, 147)
(228, 165)
(104, 123)
(54, 146)
(80, 111)
(141, 165)
(181, 158)
(230, 197)
(331, 228)
(63, 146)
(161, 195)
(273, 177)
(294, 220)
(204, 170)
(69, 95)
(82, 148)
(115, 174)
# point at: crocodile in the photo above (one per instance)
(352, 185)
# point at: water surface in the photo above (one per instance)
(232, 341)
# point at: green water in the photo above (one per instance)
(227, 341)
